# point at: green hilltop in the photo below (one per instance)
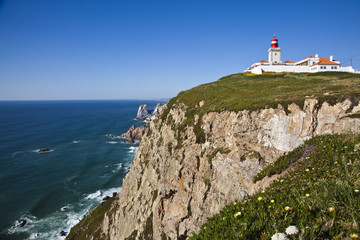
(249, 91)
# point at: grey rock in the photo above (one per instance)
(143, 112)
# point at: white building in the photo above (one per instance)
(309, 64)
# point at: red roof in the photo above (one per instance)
(263, 61)
(288, 61)
(309, 57)
(325, 61)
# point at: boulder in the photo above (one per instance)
(22, 222)
(63, 233)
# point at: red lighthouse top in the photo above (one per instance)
(274, 42)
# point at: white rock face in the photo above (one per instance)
(174, 185)
(143, 112)
(157, 110)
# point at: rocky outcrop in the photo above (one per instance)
(135, 133)
(157, 110)
(175, 183)
(143, 112)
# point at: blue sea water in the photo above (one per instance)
(52, 191)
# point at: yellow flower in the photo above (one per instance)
(269, 207)
(307, 170)
(354, 235)
(287, 208)
(331, 209)
(307, 195)
(259, 198)
(356, 190)
(262, 191)
(272, 201)
(234, 203)
(237, 214)
(335, 162)
(281, 180)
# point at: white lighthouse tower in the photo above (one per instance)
(274, 52)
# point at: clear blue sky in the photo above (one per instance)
(142, 49)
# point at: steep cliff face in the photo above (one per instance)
(178, 179)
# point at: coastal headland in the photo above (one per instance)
(225, 143)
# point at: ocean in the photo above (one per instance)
(52, 191)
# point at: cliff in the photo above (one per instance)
(203, 152)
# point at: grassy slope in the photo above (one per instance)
(91, 225)
(321, 197)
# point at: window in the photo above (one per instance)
(324, 67)
(335, 67)
(275, 54)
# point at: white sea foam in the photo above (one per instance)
(16, 228)
(133, 149)
(65, 208)
(111, 142)
(118, 167)
(49, 227)
(76, 141)
(100, 194)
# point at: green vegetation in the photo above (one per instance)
(283, 162)
(321, 196)
(91, 225)
(241, 91)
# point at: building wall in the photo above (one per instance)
(299, 69)
(280, 68)
(327, 68)
(275, 55)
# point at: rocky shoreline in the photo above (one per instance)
(143, 113)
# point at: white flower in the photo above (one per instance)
(279, 236)
(291, 230)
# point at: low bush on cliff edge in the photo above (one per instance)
(321, 198)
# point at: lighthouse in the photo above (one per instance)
(274, 52)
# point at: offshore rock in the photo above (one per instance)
(143, 112)
(175, 184)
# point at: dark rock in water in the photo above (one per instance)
(135, 133)
(41, 150)
(63, 233)
(64, 209)
(106, 198)
(22, 222)
(114, 194)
